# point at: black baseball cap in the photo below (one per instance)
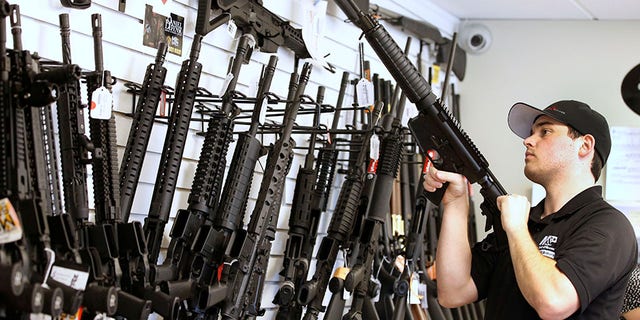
(575, 114)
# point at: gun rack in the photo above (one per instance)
(207, 103)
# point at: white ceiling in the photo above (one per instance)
(541, 9)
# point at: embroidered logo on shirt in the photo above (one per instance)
(546, 246)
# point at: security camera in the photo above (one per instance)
(474, 38)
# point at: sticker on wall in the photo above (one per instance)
(158, 28)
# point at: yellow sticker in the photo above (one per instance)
(10, 227)
(341, 273)
(435, 73)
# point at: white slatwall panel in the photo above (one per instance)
(127, 59)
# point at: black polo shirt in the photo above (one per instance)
(593, 244)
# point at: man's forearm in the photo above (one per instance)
(453, 258)
(542, 284)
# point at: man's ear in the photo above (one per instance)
(588, 145)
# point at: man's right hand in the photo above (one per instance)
(455, 285)
(457, 189)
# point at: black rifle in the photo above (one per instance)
(74, 149)
(341, 227)
(140, 132)
(315, 185)
(337, 302)
(207, 183)
(134, 258)
(14, 260)
(425, 31)
(244, 276)
(250, 16)
(174, 143)
(358, 280)
(110, 233)
(69, 264)
(434, 128)
(26, 256)
(303, 227)
(212, 240)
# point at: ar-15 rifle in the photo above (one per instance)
(136, 268)
(109, 232)
(26, 254)
(303, 227)
(205, 191)
(434, 128)
(140, 132)
(244, 276)
(250, 16)
(425, 31)
(211, 241)
(340, 228)
(358, 280)
(74, 149)
(13, 284)
(166, 179)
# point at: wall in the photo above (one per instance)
(127, 59)
(540, 62)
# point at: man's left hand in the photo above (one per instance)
(514, 211)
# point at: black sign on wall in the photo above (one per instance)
(158, 28)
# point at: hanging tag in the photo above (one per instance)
(263, 110)
(325, 121)
(414, 295)
(251, 43)
(73, 278)
(225, 84)
(232, 28)
(374, 150)
(101, 104)
(374, 147)
(10, 228)
(51, 257)
(378, 285)
(364, 91)
(399, 262)
(435, 74)
(422, 293)
(341, 272)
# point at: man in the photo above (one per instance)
(570, 256)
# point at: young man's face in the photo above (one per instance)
(550, 151)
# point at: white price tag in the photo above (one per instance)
(374, 147)
(225, 84)
(232, 28)
(414, 284)
(364, 91)
(263, 110)
(73, 278)
(422, 292)
(101, 104)
(378, 285)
